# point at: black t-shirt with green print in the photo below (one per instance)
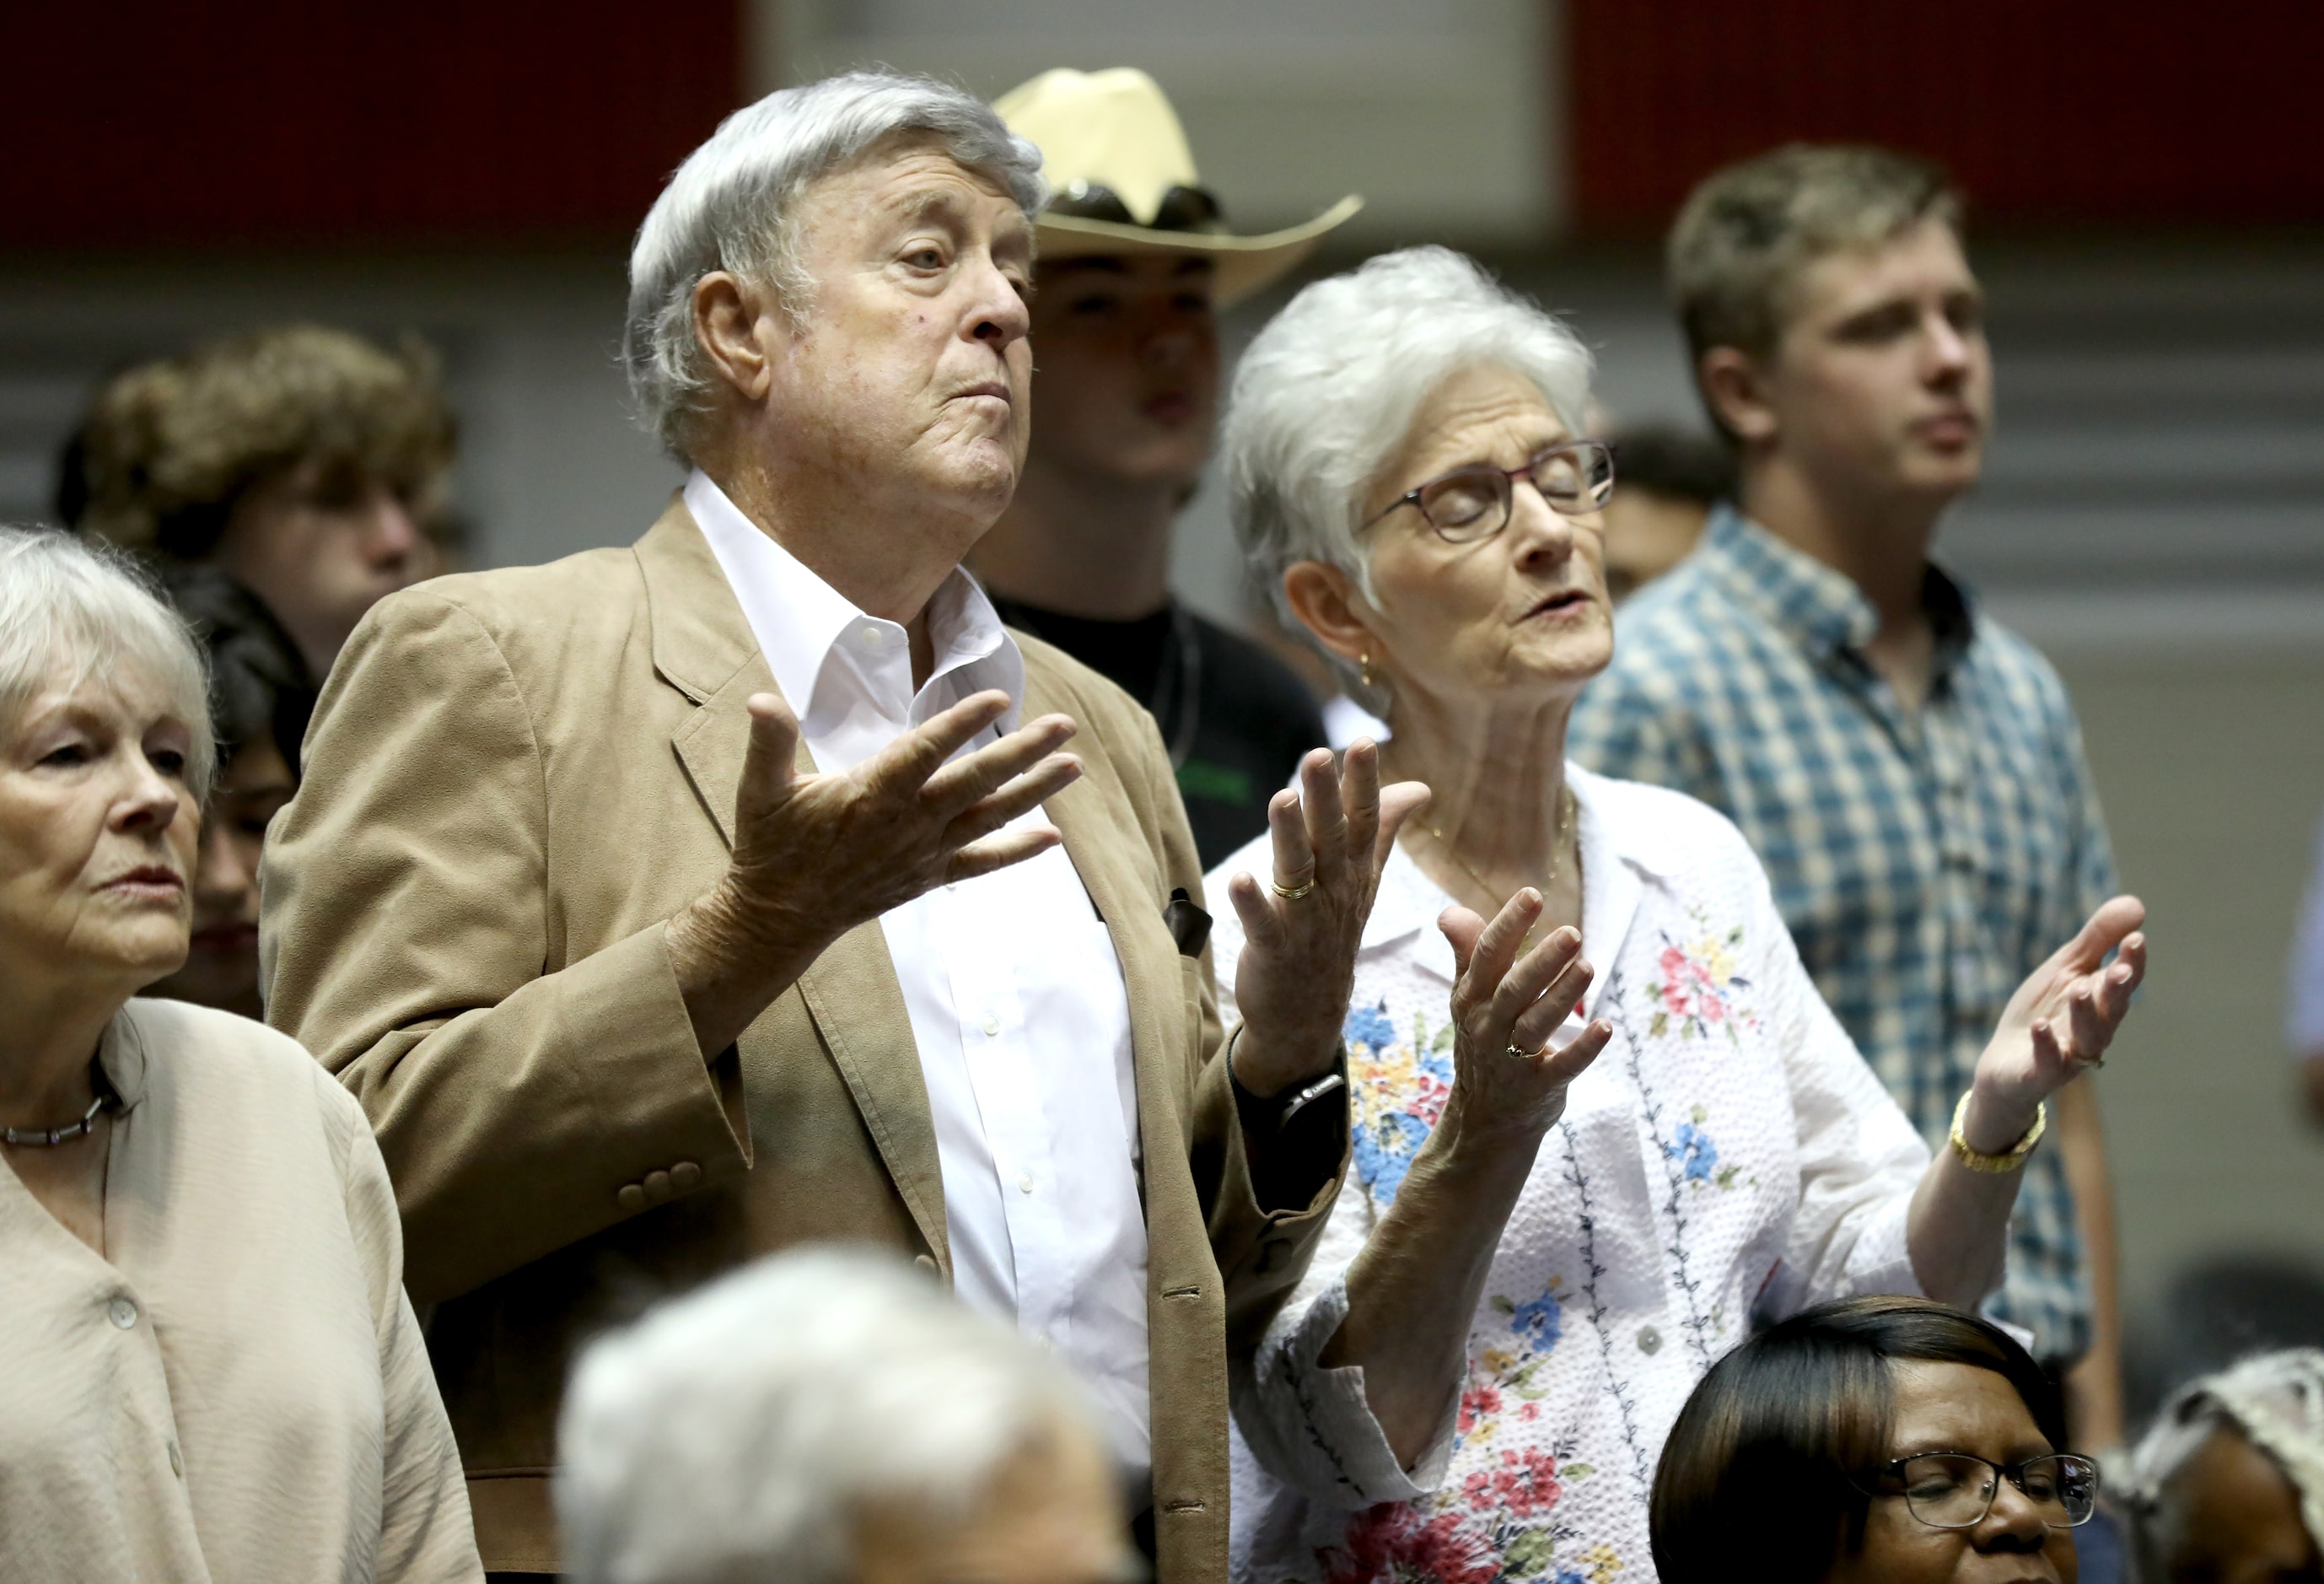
(1235, 718)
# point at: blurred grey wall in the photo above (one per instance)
(550, 462)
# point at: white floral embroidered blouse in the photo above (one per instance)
(1729, 1156)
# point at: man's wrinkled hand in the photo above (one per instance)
(817, 855)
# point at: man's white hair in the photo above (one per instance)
(2275, 1399)
(71, 610)
(730, 206)
(739, 1432)
(1325, 397)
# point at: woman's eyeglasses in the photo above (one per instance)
(1183, 208)
(1956, 1490)
(1468, 504)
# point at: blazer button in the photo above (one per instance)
(926, 1262)
(657, 1186)
(632, 1197)
(686, 1177)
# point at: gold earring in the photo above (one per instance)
(1364, 669)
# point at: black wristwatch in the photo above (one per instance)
(1289, 1104)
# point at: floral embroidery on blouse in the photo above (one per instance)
(1696, 991)
(1495, 1527)
(1660, 1211)
(1698, 1157)
(1399, 1088)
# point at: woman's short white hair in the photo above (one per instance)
(738, 1433)
(1325, 397)
(729, 208)
(71, 608)
(2276, 1400)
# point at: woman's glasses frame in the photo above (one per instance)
(2070, 1468)
(1594, 467)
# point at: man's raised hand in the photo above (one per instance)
(817, 855)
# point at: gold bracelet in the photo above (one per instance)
(2011, 1159)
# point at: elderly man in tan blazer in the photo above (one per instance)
(672, 904)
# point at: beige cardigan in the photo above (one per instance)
(239, 1391)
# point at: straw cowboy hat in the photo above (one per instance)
(1122, 180)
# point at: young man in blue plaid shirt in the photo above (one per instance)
(1910, 772)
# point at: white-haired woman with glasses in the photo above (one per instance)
(208, 1365)
(1576, 1182)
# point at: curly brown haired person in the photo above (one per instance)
(308, 463)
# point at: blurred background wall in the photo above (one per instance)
(2147, 210)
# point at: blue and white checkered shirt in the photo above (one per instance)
(1926, 861)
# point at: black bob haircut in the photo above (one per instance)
(1770, 1449)
(259, 686)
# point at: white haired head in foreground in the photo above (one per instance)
(824, 1416)
(1326, 395)
(73, 609)
(729, 208)
(2228, 1481)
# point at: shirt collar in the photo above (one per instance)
(1610, 832)
(1820, 604)
(802, 623)
(120, 1053)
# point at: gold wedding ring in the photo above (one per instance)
(1527, 1055)
(1291, 893)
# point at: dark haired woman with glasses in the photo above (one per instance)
(1576, 1184)
(1877, 1441)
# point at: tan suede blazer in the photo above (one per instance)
(513, 779)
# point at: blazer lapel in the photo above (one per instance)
(1142, 943)
(703, 646)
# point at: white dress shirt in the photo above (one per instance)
(1016, 997)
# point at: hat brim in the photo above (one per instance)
(1245, 265)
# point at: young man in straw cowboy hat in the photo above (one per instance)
(1136, 259)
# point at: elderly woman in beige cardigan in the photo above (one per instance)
(208, 1365)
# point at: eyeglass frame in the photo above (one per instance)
(2012, 1472)
(1509, 476)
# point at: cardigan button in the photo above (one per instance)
(630, 1198)
(657, 1186)
(926, 1262)
(686, 1177)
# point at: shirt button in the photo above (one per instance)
(657, 1186)
(1025, 1182)
(874, 636)
(926, 1262)
(685, 1177)
(991, 1025)
(122, 1312)
(1650, 1341)
(630, 1198)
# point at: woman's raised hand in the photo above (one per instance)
(2058, 1024)
(1509, 1087)
(1331, 839)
